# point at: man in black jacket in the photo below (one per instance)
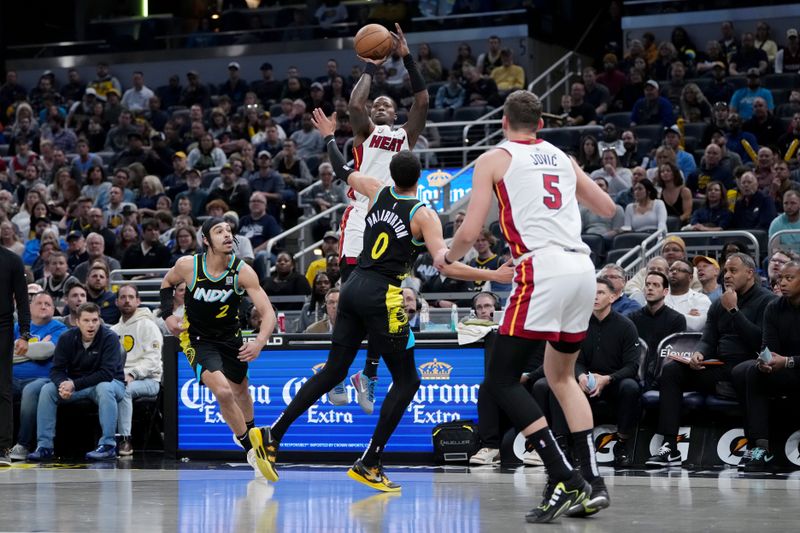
(732, 334)
(655, 322)
(756, 381)
(87, 364)
(14, 295)
(606, 370)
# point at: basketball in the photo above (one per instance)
(373, 41)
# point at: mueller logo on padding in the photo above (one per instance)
(212, 295)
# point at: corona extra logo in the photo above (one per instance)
(439, 178)
(435, 370)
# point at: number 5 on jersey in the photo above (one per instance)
(551, 185)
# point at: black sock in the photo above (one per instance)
(251, 424)
(557, 465)
(583, 448)
(244, 441)
(371, 368)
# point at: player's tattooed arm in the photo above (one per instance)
(357, 108)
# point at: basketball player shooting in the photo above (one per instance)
(375, 142)
(538, 188)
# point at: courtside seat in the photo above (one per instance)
(715, 403)
(691, 400)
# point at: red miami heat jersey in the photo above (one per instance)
(538, 207)
(372, 157)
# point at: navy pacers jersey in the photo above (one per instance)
(389, 247)
(212, 304)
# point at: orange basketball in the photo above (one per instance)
(373, 41)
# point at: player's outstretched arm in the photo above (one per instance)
(427, 222)
(418, 114)
(248, 280)
(357, 107)
(366, 185)
(591, 195)
(480, 201)
(180, 273)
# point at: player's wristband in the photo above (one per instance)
(167, 301)
(414, 75)
(340, 168)
(370, 69)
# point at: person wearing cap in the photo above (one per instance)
(175, 182)
(150, 253)
(269, 182)
(268, 89)
(76, 249)
(137, 98)
(330, 245)
(748, 57)
(195, 92)
(652, 108)
(317, 98)
(234, 87)
(742, 100)
(611, 76)
(683, 159)
(787, 60)
(196, 195)
(234, 194)
(708, 274)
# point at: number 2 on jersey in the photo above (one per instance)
(551, 185)
(381, 243)
(223, 311)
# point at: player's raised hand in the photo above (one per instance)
(376, 62)
(401, 45)
(325, 125)
(250, 350)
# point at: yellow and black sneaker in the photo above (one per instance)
(266, 450)
(559, 497)
(372, 477)
(594, 503)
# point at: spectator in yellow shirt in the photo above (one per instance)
(508, 77)
(330, 245)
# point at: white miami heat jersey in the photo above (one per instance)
(538, 207)
(372, 157)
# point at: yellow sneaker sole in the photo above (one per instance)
(377, 486)
(264, 466)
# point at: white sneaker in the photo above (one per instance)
(338, 395)
(532, 458)
(485, 456)
(18, 452)
(236, 441)
(251, 460)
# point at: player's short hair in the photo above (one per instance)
(523, 109)
(405, 169)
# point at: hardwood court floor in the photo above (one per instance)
(153, 496)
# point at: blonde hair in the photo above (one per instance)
(154, 183)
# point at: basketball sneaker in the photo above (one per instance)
(664, 457)
(266, 451)
(373, 477)
(18, 452)
(253, 462)
(598, 500)
(558, 498)
(532, 458)
(760, 461)
(338, 394)
(485, 456)
(365, 391)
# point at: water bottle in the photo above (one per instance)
(424, 317)
(281, 322)
(591, 381)
(453, 317)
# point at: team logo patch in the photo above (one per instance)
(128, 342)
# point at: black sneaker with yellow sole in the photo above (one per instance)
(266, 450)
(594, 503)
(558, 498)
(373, 477)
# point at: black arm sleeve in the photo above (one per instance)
(340, 168)
(414, 75)
(20, 287)
(167, 301)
